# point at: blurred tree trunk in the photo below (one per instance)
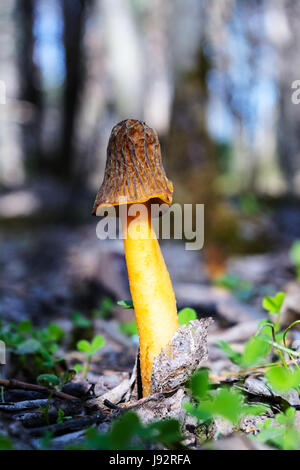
(289, 113)
(158, 83)
(30, 86)
(74, 21)
(92, 121)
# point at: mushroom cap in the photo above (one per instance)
(134, 171)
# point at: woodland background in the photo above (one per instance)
(214, 78)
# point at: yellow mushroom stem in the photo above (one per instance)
(151, 290)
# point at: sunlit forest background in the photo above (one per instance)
(217, 80)
(214, 78)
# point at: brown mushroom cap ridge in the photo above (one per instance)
(134, 168)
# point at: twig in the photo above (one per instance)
(17, 384)
(72, 425)
(111, 405)
(23, 405)
(155, 397)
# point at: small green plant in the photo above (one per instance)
(295, 256)
(255, 352)
(209, 403)
(281, 376)
(34, 348)
(282, 379)
(125, 304)
(273, 306)
(258, 347)
(61, 418)
(282, 434)
(89, 348)
(45, 409)
(129, 433)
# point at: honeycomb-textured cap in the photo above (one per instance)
(134, 168)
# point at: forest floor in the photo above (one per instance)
(60, 285)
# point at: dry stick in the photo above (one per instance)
(17, 384)
(155, 397)
(70, 426)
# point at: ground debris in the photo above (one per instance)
(181, 357)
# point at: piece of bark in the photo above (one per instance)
(161, 406)
(181, 357)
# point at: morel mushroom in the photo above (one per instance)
(134, 171)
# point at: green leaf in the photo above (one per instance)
(80, 321)
(78, 368)
(55, 332)
(203, 411)
(295, 253)
(25, 327)
(123, 430)
(274, 304)
(97, 343)
(84, 346)
(48, 380)
(60, 416)
(126, 304)
(29, 346)
(290, 412)
(199, 384)
(255, 350)
(228, 404)
(166, 431)
(281, 379)
(186, 315)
